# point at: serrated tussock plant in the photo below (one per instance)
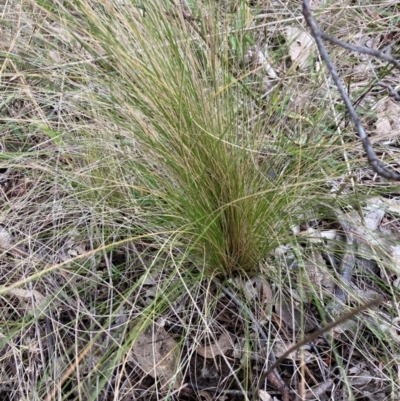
(174, 91)
(147, 153)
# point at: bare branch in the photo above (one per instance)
(392, 92)
(321, 331)
(377, 165)
(364, 50)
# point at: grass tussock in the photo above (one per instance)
(145, 156)
(198, 139)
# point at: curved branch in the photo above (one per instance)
(377, 165)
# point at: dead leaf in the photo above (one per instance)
(374, 212)
(259, 289)
(317, 236)
(317, 275)
(282, 250)
(74, 246)
(359, 375)
(30, 299)
(206, 395)
(393, 205)
(280, 348)
(262, 59)
(152, 279)
(209, 372)
(359, 72)
(301, 45)
(6, 240)
(264, 396)
(396, 258)
(223, 344)
(158, 354)
(257, 57)
(27, 294)
(292, 317)
(388, 123)
(318, 390)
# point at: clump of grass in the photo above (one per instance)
(173, 93)
(173, 169)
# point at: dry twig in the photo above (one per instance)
(377, 165)
(321, 331)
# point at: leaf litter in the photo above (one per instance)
(157, 353)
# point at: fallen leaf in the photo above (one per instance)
(264, 396)
(393, 205)
(31, 300)
(281, 347)
(301, 45)
(206, 395)
(6, 240)
(293, 317)
(317, 236)
(254, 59)
(258, 288)
(223, 344)
(158, 355)
(359, 375)
(262, 59)
(396, 258)
(388, 123)
(27, 294)
(374, 213)
(318, 390)
(316, 275)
